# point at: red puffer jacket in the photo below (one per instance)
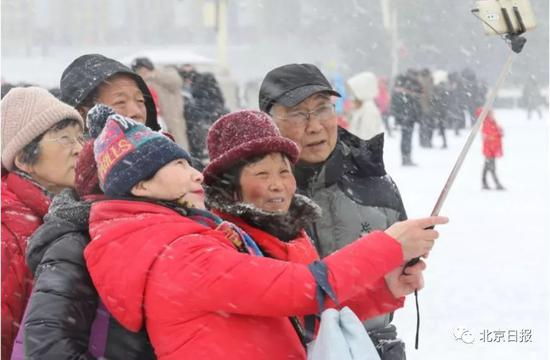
(492, 136)
(299, 250)
(302, 251)
(200, 298)
(23, 207)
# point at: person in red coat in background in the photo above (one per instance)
(158, 259)
(383, 102)
(41, 140)
(492, 148)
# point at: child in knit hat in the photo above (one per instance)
(132, 160)
(159, 260)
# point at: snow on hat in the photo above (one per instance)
(96, 119)
(240, 135)
(87, 72)
(26, 114)
(291, 84)
(126, 152)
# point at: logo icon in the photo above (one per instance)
(462, 334)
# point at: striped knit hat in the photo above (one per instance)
(127, 152)
(26, 114)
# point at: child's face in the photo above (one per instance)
(176, 181)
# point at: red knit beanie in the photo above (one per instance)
(86, 181)
(240, 135)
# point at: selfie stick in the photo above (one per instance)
(473, 133)
(516, 43)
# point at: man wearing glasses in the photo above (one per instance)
(342, 173)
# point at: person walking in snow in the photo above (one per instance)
(159, 259)
(426, 124)
(41, 139)
(383, 103)
(342, 173)
(407, 111)
(492, 148)
(456, 103)
(366, 120)
(64, 302)
(531, 98)
(439, 104)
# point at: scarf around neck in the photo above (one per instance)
(302, 212)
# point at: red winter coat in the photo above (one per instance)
(492, 136)
(383, 98)
(202, 299)
(23, 207)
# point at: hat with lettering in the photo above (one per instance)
(126, 152)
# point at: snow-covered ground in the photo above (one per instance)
(487, 277)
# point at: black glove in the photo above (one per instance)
(386, 342)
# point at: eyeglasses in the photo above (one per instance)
(322, 113)
(68, 141)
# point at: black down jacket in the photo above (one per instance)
(64, 301)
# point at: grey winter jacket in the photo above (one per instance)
(355, 194)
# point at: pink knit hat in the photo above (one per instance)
(240, 135)
(26, 114)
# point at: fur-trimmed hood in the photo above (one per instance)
(302, 213)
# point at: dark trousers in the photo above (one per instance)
(490, 167)
(441, 129)
(406, 141)
(406, 144)
(425, 131)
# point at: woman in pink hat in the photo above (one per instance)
(251, 184)
(41, 140)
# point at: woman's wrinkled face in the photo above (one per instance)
(268, 184)
(176, 181)
(58, 152)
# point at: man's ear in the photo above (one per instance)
(27, 168)
(141, 189)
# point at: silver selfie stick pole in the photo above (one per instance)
(473, 133)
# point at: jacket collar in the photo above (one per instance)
(351, 156)
(29, 193)
(285, 227)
